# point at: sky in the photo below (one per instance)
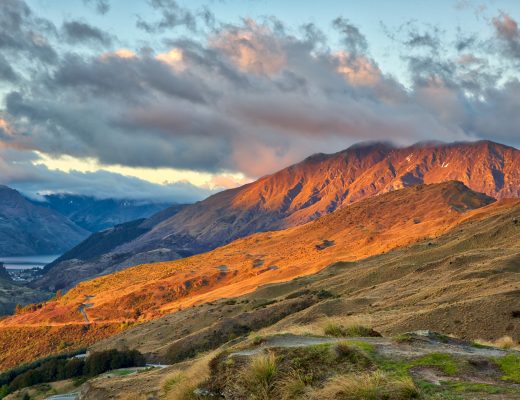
(174, 100)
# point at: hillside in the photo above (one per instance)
(95, 215)
(28, 229)
(12, 293)
(373, 226)
(303, 192)
(97, 245)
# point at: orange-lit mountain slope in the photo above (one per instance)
(145, 292)
(366, 228)
(303, 192)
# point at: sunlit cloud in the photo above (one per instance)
(159, 176)
(173, 58)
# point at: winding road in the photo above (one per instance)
(84, 306)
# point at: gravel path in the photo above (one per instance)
(421, 344)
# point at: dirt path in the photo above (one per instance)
(84, 306)
(421, 344)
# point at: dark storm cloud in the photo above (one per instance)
(82, 32)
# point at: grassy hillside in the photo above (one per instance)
(408, 287)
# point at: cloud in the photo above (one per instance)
(354, 41)
(172, 16)
(509, 35)
(82, 32)
(249, 98)
(101, 6)
(7, 72)
(22, 32)
(17, 170)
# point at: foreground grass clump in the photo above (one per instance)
(368, 386)
(335, 329)
(258, 377)
(505, 342)
(284, 373)
(510, 366)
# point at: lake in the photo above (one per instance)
(27, 262)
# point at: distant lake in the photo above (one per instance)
(27, 262)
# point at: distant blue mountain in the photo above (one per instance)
(96, 215)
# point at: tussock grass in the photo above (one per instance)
(317, 326)
(293, 385)
(257, 378)
(367, 386)
(505, 342)
(333, 328)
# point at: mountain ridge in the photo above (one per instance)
(28, 229)
(95, 214)
(312, 188)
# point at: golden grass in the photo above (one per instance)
(258, 377)
(180, 384)
(291, 386)
(318, 326)
(367, 386)
(505, 342)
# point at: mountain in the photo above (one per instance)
(95, 215)
(301, 193)
(29, 229)
(418, 216)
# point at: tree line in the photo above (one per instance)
(60, 368)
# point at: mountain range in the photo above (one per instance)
(95, 215)
(315, 187)
(29, 229)
(60, 222)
